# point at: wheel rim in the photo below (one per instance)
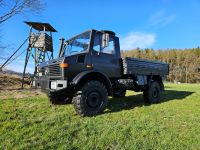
(93, 100)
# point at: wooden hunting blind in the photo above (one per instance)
(40, 44)
(41, 39)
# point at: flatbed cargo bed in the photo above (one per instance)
(144, 67)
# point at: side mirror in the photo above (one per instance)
(105, 40)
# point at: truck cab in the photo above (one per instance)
(90, 68)
(92, 50)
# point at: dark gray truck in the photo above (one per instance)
(90, 68)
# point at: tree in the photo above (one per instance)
(10, 8)
(184, 63)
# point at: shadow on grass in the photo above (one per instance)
(132, 101)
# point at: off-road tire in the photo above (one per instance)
(152, 93)
(91, 99)
(59, 98)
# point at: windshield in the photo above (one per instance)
(77, 44)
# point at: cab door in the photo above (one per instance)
(105, 59)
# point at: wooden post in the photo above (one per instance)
(26, 59)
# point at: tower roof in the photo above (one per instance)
(40, 26)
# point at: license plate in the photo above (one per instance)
(53, 85)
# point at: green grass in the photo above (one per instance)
(128, 123)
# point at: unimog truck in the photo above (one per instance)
(90, 68)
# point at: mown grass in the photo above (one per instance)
(128, 123)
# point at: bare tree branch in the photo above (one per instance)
(10, 8)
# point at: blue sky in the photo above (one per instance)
(157, 24)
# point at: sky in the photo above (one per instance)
(157, 24)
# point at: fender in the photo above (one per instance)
(93, 75)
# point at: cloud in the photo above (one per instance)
(137, 39)
(161, 19)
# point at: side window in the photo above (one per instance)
(110, 49)
(98, 47)
(97, 43)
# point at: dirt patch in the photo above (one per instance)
(10, 87)
(11, 81)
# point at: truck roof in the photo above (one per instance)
(101, 31)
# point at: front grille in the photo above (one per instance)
(54, 70)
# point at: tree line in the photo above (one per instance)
(184, 63)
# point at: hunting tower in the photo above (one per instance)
(40, 45)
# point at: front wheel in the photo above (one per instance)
(91, 99)
(152, 93)
(58, 98)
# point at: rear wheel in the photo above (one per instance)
(57, 98)
(91, 99)
(152, 93)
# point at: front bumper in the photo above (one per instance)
(50, 85)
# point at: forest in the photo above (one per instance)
(184, 63)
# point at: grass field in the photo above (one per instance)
(128, 123)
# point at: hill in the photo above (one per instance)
(10, 86)
(9, 81)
